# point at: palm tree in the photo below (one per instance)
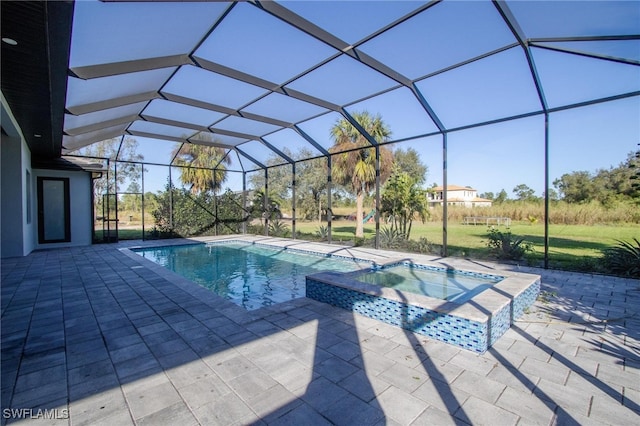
(201, 179)
(356, 169)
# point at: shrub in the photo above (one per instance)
(391, 238)
(255, 229)
(322, 232)
(623, 259)
(423, 245)
(505, 245)
(277, 228)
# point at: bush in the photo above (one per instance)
(359, 241)
(322, 232)
(277, 228)
(623, 259)
(391, 238)
(505, 245)
(255, 229)
(423, 246)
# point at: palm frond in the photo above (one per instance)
(624, 259)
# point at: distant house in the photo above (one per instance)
(457, 196)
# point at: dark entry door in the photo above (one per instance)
(54, 225)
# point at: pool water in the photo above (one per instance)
(441, 284)
(250, 276)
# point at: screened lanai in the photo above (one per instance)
(489, 96)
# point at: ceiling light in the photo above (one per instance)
(10, 41)
(37, 135)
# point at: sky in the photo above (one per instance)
(487, 158)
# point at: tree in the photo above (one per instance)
(607, 186)
(131, 200)
(180, 213)
(487, 195)
(356, 169)
(311, 182)
(409, 161)
(271, 211)
(501, 197)
(402, 199)
(116, 176)
(553, 195)
(150, 201)
(524, 193)
(616, 183)
(206, 158)
(311, 179)
(576, 187)
(280, 176)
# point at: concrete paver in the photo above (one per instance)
(116, 340)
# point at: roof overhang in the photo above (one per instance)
(34, 71)
(69, 163)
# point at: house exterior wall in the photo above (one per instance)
(30, 214)
(11, 187)
(80, 206)
(19, 198)
(457, 196)
(16, 229)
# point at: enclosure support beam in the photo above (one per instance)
(244, 201)
(546, 190)
(115, 182)
(142, 198)
(215, 204)
(377, 206)
(444, 196)
(293, 201)
(265, 204)
(170, 200)
(329, 214)
(104, 240)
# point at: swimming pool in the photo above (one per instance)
(255, 272)
(445, 284)
(249, 275)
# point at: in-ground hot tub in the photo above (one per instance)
(473, 318)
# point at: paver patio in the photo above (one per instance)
(94, 335)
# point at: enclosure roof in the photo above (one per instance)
(263, 79)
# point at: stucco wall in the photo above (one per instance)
(11, 188)
(80, 206)
(29, 224)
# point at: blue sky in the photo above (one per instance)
(488, 158)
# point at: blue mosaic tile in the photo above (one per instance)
(499, 323)
(525, 299)
(461, 332)
(471, 335)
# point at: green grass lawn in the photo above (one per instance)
(570, 246)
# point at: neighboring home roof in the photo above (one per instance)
(453, 188)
